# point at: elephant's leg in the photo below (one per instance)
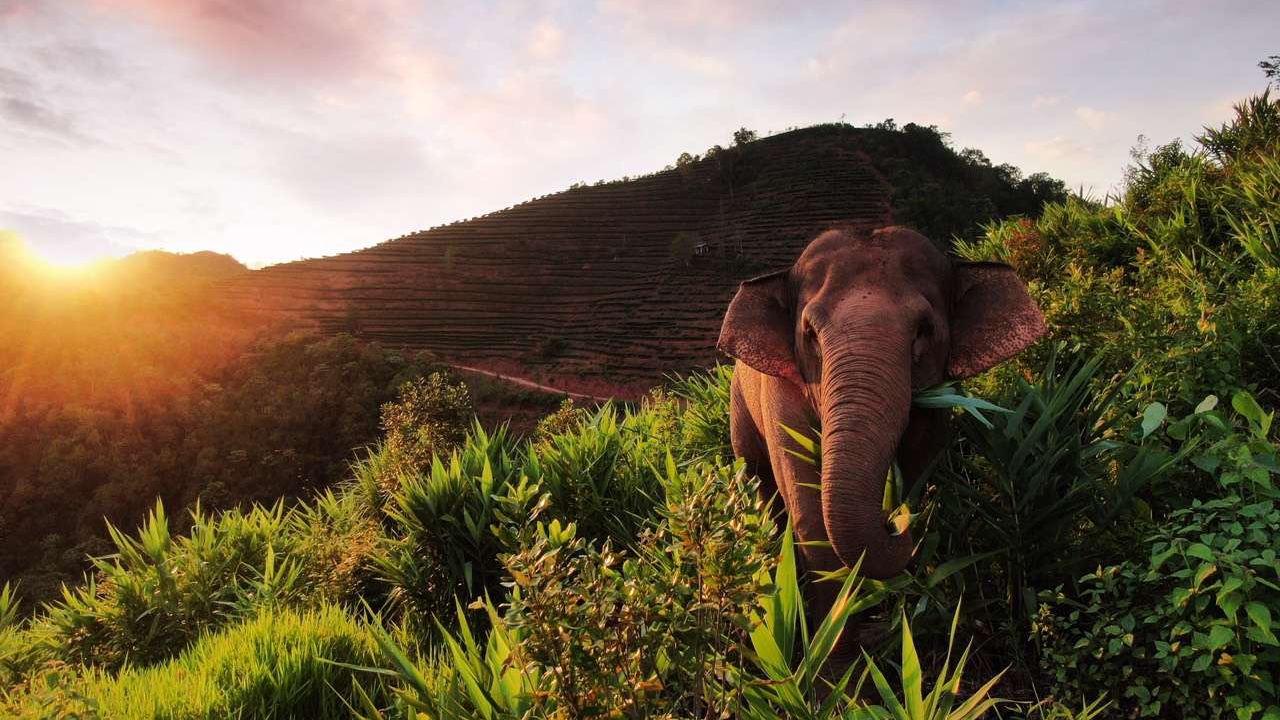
(750, 446)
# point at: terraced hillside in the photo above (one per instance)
(599, 289)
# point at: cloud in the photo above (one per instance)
(15, 8)
(13, 82)
(697, 62)
(60, 236)
(1044, 101)
(36, 117)
(973, 97)
(546, 41)
(1059, 147)
(707, 14)
(1093, 119)
(315, 39)
(348, 172)
(88, 60)
(22, 107)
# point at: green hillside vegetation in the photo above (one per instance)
(1101, 547)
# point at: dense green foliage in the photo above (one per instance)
(1175, 291)
(628, 530)
(947, 193)
(1189, 628)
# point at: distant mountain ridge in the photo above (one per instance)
(604, 289)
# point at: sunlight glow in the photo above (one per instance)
(48, 264)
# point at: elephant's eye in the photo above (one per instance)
(924, 333)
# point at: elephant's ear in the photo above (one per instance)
(757, 327)
(992, 318)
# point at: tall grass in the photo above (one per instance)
(277, 664)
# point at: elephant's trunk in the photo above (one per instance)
(866, 405)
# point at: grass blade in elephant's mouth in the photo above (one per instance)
(899, 517)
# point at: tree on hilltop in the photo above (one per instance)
(1271, 68)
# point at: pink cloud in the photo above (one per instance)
(702, 14)
(293, 38)
(546, 41)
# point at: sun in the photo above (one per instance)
(53, 263)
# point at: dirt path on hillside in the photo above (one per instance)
(531, 384)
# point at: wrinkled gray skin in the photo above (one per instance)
(843, 338)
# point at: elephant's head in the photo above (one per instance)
(857, 323)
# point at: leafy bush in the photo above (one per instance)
(336, 539)
(565, 419)
(1189, 629)
(1042, 489)
(648, 631)
(704, 417)
(439, 543)
(599, 476)
(157, 593)
(430, 416)
(1255, 129)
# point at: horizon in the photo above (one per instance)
(269, 132)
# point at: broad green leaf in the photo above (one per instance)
(1152, 417)
(1201, 551)
(951, 567)
(1209, 403)
(1203, 573)
(1258, 613)
(1219, 636)
(1244, 404)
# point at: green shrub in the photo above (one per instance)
(647, 632)
(1188, 630)
(337, 536)
(699, 620)
(1255, 129)
(429, 417)
(599, 475)
(565, 419)
(1046, 489)
(704, 417)
(440, 544)
(157, 593)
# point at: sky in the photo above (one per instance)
(280, 129)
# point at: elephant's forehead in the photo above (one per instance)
(839, 259)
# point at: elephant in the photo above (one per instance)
(843, 337)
